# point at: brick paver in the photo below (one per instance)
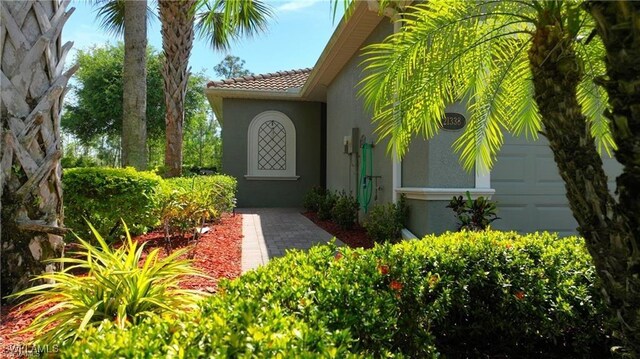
(269, 232)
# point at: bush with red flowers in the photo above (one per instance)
(480, 294)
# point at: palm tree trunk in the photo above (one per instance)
(601, 221)
(177, 19)
(33, 87)
(134, 105)
(618, 25)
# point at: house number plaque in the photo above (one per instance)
(453, 121)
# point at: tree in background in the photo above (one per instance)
(129, 18)
(33, 78)
(134, 120)
(528, 67)
(230, 67)
(94, 118)
(202, 143)
(219, 22)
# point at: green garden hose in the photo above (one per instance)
(366, 176)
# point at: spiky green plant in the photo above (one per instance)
(119, 286)
(475, 52)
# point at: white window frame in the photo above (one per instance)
(253, 172)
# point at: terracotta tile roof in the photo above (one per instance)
(280, 81)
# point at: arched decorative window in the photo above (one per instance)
(271, 147)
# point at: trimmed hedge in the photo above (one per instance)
(460, 294)
(104, 195)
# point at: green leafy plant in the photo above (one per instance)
(119, 286)
(104, 196)
(345, 211)
(385, 221)
(326, 205)
(473, 215)
(187, 203)
(464, 294)
(313, 199)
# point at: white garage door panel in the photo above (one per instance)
(529, 191)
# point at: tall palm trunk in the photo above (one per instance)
(134, 77)
(177, 19)
(601, 221)
(618, 25)
(33, 86)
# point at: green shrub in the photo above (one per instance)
(473, 215)
(468, 294)
(104, 196)
(186, 203)
(217, 191)
(345, 211)
(326, 205)
(117, 287)
(384, 223)
(313, 199)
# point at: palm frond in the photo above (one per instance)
(220, 22)
(111, 15)
(593, 98)
(448, 51)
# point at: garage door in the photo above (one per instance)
(529, 191)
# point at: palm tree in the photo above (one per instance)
(130, 18)
(134, 74)
(618, 26)
(525, 67)
(219, 22)
(33, 86)
(177, 18)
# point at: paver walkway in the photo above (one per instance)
(268, 232)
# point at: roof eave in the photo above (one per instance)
(345, 42)
(215, 96)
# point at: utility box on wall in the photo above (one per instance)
(351, 143)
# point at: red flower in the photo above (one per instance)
(395, 285)
(508, 245)
(383, 269)
(338, 256)
(519, 295)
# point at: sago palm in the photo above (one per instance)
(524, 67)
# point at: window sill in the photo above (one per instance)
(271, 178)
(444, 194)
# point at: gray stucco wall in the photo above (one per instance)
(434, 164)
(306, 117)
(345, 110)
(427, 164)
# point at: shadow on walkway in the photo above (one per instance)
(269, 232)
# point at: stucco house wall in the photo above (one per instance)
(434, 164)
(306, 117)
(345, 110)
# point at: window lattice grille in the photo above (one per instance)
(272, 146)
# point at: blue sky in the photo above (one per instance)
(294, 39)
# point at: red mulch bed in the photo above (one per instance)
(355, 237)
(217, 254)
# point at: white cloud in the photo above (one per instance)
(296, 5)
